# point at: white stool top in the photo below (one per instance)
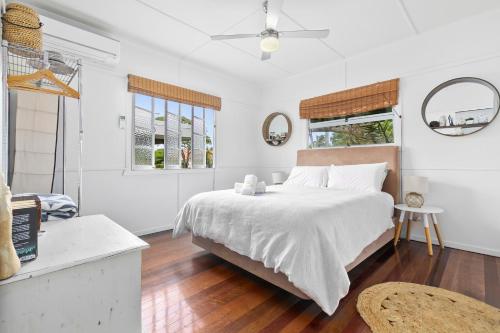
(423, 209)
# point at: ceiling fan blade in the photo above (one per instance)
(273, 13)
(265, 56)
(237, 36)
(305, 33)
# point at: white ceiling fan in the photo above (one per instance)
(269, 38)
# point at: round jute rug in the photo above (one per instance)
(408, 307)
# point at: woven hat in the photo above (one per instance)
(22, 26)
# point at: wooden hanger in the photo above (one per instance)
(28, 82)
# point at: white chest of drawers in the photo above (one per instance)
(87, 278)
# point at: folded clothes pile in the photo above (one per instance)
(250, 186)
(57, 206)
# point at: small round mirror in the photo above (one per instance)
(461, 106)
(276, 129)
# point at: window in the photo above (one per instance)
(172, 135)
(370, 128)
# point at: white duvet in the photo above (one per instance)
(309, 234)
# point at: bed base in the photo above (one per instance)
(279, 279)
(337, 156)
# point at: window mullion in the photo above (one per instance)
(133, 130)
(192, 138)
(153, 134)
(165, 134)
(214, 134)
(179, 135)
(204, 141)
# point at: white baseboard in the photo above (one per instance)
(152, 230)
(461, 246)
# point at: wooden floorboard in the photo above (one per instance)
(186, 289)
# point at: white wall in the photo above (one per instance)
(464, 172)
(148, 201)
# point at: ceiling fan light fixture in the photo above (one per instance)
(269, 38)
(269, 44)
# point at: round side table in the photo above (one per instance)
(427, 213)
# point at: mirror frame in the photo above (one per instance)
(267, 124)
(452, 82)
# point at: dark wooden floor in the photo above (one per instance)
(184, 288)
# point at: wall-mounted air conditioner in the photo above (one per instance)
(79, 42)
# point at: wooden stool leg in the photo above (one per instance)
(408, 226)
(398, 227)
(438, 232)
(427, 234)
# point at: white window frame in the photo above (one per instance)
(167, 168)
(134, 166)
(391, 115)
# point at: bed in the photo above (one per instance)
(302, 240)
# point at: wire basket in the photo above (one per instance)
(22, 60)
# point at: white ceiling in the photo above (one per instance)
(183, 27)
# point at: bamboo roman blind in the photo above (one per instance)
(352, 101)
(137, 84)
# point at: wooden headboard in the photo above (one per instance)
(359, 155)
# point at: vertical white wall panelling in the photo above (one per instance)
(463, 171)
(145, 202)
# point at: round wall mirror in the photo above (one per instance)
(276, 129)
(461, 106)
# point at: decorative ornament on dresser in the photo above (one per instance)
(9, 262)
(415, 187)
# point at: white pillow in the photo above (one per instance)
(362, 177)
(313, 176)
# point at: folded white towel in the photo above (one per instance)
(250, 180)
(249, 185)
(247, 189)
(238, 187)
(261, 187)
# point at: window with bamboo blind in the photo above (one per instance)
(358, 116)
(352, 101)
(173, 127)
(144, 86)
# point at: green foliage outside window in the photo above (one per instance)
(159, 155)
(185, 152)
(377, 132)
(367, 133)
(209, 157)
